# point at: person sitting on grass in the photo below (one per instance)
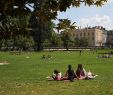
(46, 57)
(43, 57)
(49, 56)
(56, 76)
(80, 72)
(70, 75)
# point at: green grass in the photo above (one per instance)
(28, 76)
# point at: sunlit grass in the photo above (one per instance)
(27, 76)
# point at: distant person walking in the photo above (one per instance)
(80, 52)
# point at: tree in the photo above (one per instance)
(40, 31)
(56, 40)
(9, 43)
(2, 43)
(66, 29)
(28, 43)
(66, 38)
(46, 43)
(24, 42)
(10, 27)
(81, 42)
(45, 9)
(65, 25)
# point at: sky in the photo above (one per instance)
(91, 16)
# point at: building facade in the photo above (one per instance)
(110, 38)
(95, 36)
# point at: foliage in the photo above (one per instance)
(10, 27)
(14, 16)
(46, 43)
(45, 9)
(65, 25)
(81, 42)
(55, 40)
(24, 43)
(9, 43)
(67, 38)
(28, 43)
(40, 31)
(2, 43)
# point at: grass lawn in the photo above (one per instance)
(27, 76)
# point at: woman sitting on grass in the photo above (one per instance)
(56, 76)
(80, 72)
(70, 75)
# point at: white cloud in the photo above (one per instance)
(101, 20)
(84, 21)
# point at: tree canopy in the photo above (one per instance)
(46, 9)
(14, 16)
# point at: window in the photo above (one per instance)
(92, 33)
(93, 38)
(84, 34)
(80, 34)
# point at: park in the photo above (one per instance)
(56, 47)
(27, 76)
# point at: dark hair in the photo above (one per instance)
(80, 66)
(69, 66)
(56, 71)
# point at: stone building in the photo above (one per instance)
(96, 36)
(110, 38)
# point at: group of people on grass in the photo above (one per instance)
(71, 75)
(46, 57)
(104, 56)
